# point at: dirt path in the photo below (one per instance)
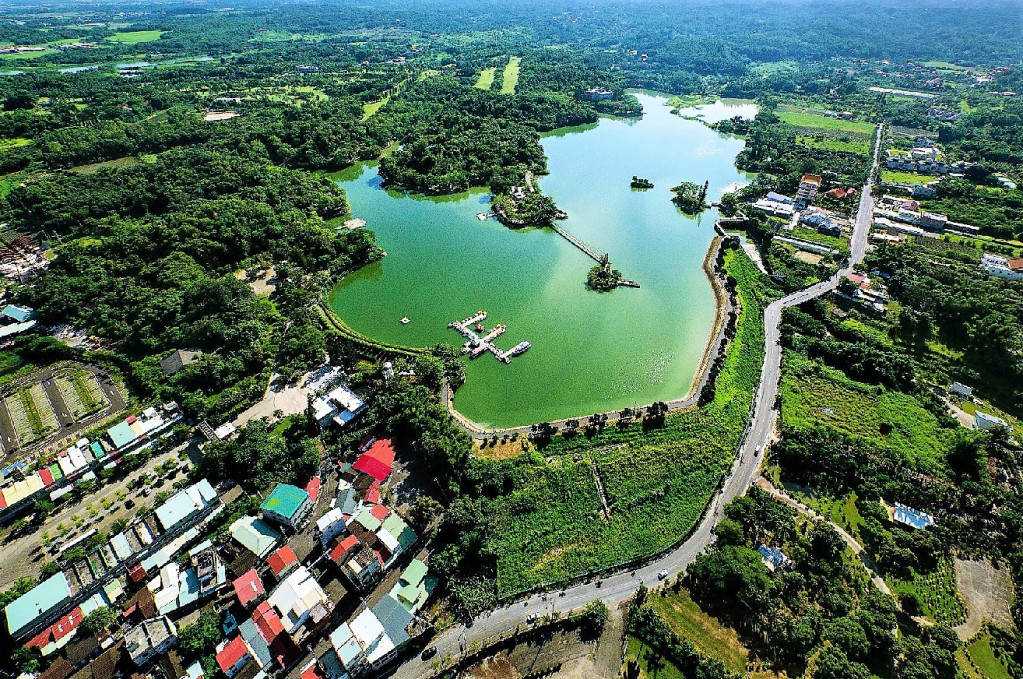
(856, 547)
(987, 591)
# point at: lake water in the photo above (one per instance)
(591, 352)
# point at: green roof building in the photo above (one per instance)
(38, 603)
(287, 505)
(121, 435)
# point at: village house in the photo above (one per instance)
(287, 505)
(808, 187)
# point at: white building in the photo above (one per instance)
(299, 598)
(986, 421)
(1009, 269)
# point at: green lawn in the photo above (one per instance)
(984, 659)
(710, 637)
(135, 37)
(510, 79)
(837, 242)
(823, 123)
(897, 177)
(369, 109)
(486, 78)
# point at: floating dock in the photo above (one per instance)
(476, 346)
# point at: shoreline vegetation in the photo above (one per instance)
(690, 197)
(525, 206)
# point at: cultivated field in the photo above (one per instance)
(135, 37)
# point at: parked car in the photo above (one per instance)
(662, 574)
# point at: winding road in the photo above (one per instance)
(617, 587)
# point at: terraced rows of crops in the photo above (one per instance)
(81, 392)
(657, 485)
(32, 414)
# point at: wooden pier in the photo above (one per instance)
(476, 346)
(591, 253)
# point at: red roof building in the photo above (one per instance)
(378, 460)
(46, 475)
(836, 193)
(137, 573)
(1015, 264)
(343, 548)
(379, 512)
(313, 488)
(248, 587)
(282, 561)
(267, 622)
(233, 656)
(312, 672)
(372, 495)
(66, 625)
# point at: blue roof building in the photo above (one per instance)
(28, 609)
(19, 314)
(913, 518)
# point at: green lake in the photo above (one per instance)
(591, 352)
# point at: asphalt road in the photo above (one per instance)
(618, 587)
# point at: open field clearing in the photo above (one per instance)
(486, 78)
(710, 637)
(510, 79)
(825, 123)
(135, 37)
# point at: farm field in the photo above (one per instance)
(710, 637)
(81, 392)
(486, 78)
(550, 527)
(837, 242)
(510, 78)
(135, 37)
(889, 420)
(821, 122)
(898, 177)
(860, 147)
(937, 594)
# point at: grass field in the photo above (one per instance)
(823, 123)
(897, 177)
(550, 528)
(937, 594)
(486, 78)
(92, 168)
(888, 420)
(982, 662)
(860, 147)
(510, 79)
(14, 143)
(710, 637)
(652, 664)
(135, 37)
(369, 109)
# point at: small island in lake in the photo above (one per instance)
(691, 198)
(525, 206)
(603, 278)
(641, 183)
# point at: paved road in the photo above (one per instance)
(615, 588)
